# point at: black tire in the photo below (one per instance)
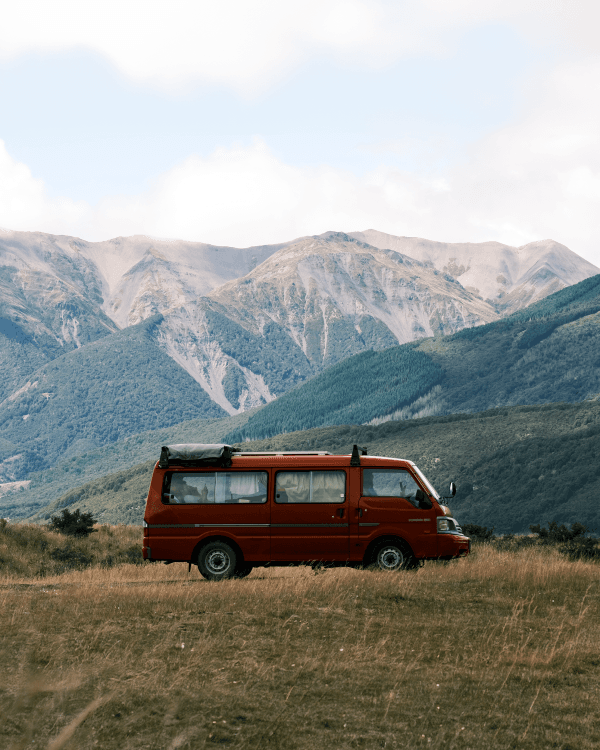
(217, 561)
(243, 570)
(391, 557)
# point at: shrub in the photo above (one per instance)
(478, 533)
(73, 523)
(556, 534)
(571, 542)
(582, 548)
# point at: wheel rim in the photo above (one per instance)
(217, 561)
(390, 558)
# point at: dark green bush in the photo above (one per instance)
(73, 523)
(133, 554)
(478, 533)
(556, 534)
(582, 548)
(571, 542)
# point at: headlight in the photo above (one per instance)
(448, 526)
(443, 525)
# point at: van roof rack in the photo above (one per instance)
(282, 453)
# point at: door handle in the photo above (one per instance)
(340, 512)
(360, 512)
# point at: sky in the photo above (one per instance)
(237, 123)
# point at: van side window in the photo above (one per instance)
(310, 487)
(389, 483)
(215, 487)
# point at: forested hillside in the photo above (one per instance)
(547, 353)
(378, 380)
(79, 466)
(115, 387)
(514, 466)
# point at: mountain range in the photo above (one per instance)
(510, 278)
(101, 341)
(547, 352)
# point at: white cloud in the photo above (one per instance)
(239, 196)
(248, 46)
(25, 205)
(177, 44)
(537, 178)
(541, 174)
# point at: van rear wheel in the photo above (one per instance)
(217, 561)
(391, 557)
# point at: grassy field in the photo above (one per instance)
(499, 650)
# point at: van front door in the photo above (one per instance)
(388, 507)
(309, 518)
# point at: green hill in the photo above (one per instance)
(513, 466)
(117, 386)
(82, 468)
(547, 353)
(119, 498)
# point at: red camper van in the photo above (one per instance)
(228, 511)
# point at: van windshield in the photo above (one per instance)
(427, 483)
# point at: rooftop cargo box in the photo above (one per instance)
(196, 454)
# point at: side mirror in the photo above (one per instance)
(452, 489)
(423, 500)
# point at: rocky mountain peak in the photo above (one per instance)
(501, 274)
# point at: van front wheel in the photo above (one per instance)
(217, 561)
(391, 557)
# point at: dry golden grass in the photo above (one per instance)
(33, 550)
(499, 650)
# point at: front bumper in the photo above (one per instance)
(453, 545)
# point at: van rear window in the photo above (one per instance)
(310, 487)
(195, 488)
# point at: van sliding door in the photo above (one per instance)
(200, 503)
(309, 516)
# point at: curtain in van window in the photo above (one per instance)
(231, 487)
(328, 486)
(248, 483)
(311, 486)
(221, 487)
(295, 484)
